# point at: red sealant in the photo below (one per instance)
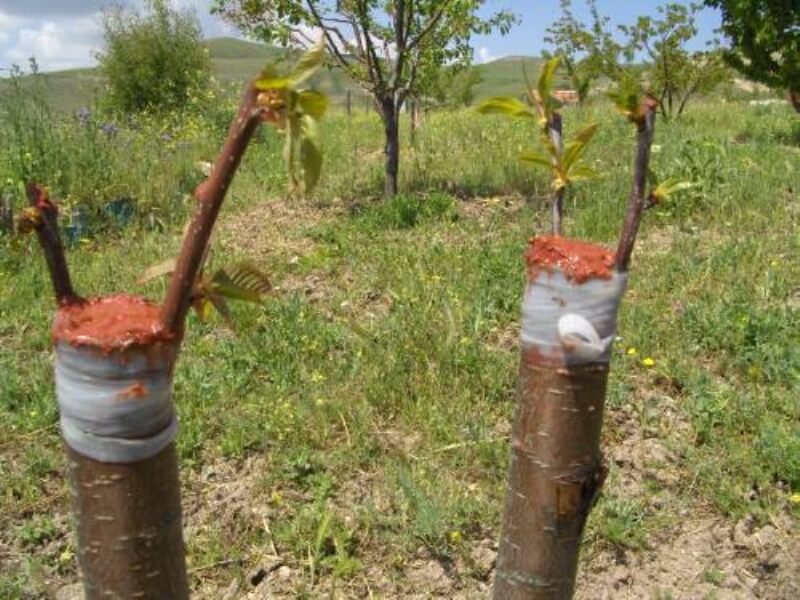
(579, 261)
(109, 323)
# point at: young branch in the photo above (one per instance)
(554, 130)
(209, 194)
(637, 199)
(43, 217)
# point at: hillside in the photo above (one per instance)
(235, 60)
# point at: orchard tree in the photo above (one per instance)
(765, 40)
(388, 47)
(652, 48)
(675, 74)
(587, 51)
(152, 60)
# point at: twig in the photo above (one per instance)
(209, 194)
(216, 565)
(42, 216)
(636, 201)
(554, 129)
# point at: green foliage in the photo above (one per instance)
(588, 52)
(453, 87)
(675, 74)
(563, 162)
(424, 35)
(296, 112)
(241, 281)
(765, 41)
(85, 159)
(672, 73)
(153, 61)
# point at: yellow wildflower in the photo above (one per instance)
(648, 362)
(632, 351)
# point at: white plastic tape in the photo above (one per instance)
(571, 322)
(115, 407)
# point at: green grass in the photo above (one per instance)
(376, 389)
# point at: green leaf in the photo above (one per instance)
(312, 103)
(537, 158)
(160, 270)
(310, 155)
(582, 172)
(241, 281)
(577, 146)
(505, 105)
(219, 303)
(270, 79)
(546, 78)
(668, 187)
(311, 60)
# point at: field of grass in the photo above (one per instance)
(350, 438)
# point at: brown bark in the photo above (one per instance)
(555, 475)
(794, 98)
(637, 199)
(129, 527)
(210, 195)
(50, 241)
(390, 116)
(554, 129)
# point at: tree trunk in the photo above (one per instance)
(794, 98)
(391, 117)
(555, 474)
(128, 519)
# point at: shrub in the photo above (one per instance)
(153, 61)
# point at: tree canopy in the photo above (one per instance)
(765, 41)
(391, 48)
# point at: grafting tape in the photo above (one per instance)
(573, 322)
(115, 407)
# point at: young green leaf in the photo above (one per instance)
(312, 103)
(577, 146)
(545, 84)
(669, 186)
(582, 172)
(311, 160)
(308, 64)
(160, 270)
(538, 158)
(241, 281)
(505, 105)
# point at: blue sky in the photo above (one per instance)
(537, 15)
(66, 33)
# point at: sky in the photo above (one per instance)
(65, 34)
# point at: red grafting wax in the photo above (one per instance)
(579, 261)
(109, 323)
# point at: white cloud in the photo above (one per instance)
(485, 55)
(62, 44)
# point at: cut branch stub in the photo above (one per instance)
(645, 126)
(42, 217)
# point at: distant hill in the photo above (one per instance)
(236, 60)
(505, 76)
